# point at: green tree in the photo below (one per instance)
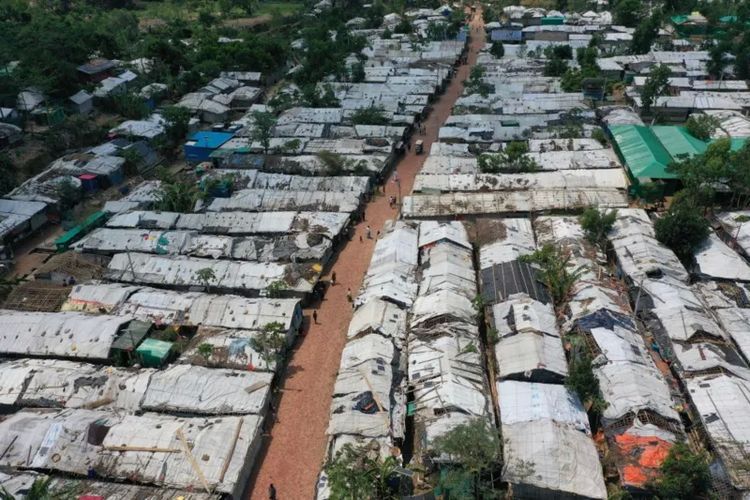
(599, 135)
(582, 381)
(336, 164)
(263, 124)
(7, 174)
(555, 272)
(403, 27)
(373, 115)
(497, 49)
(177, 197)
(559, 52)
(176, 120)
(476, 84)
(360, 473)
(645, 34)
(474, 448)
(314, 98)
(738, 177)
(270, 343)
(719, 61)
(41, 489)
(555, 67)
(597, 224)
(682, 229)
(357, 72)
(130, 106)
(656, 86)
(684, 474)
(68, 194)
(702, 173)
(702, 126)
(628, 12)
(512, 160)
(206, 276)
(489, 14)
(205, 350)
(276, 289)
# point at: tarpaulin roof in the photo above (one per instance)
(642, 152)
(677, 141)
(644, 454)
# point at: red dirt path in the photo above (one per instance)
(296, 446)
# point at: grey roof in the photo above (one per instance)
(64, 334)
(81, 97)
(34, 439)
(547, 448)
(230, 275)
(510, 202)
(236, 223)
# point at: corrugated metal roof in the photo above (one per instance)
(501, 281)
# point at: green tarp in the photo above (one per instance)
(641, 151)
(154, 353)
(678, 142)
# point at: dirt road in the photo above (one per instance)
(296, 445)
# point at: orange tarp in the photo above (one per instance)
(642, 457)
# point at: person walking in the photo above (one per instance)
(271, 492)
(349, 295)
(333, 278)
(368, 232)
(315, 317)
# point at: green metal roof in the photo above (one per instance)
(642, 152)
(678, 142)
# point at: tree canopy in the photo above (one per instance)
(656, 85)
(646, 33)
(360, 473)
(474, 450)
